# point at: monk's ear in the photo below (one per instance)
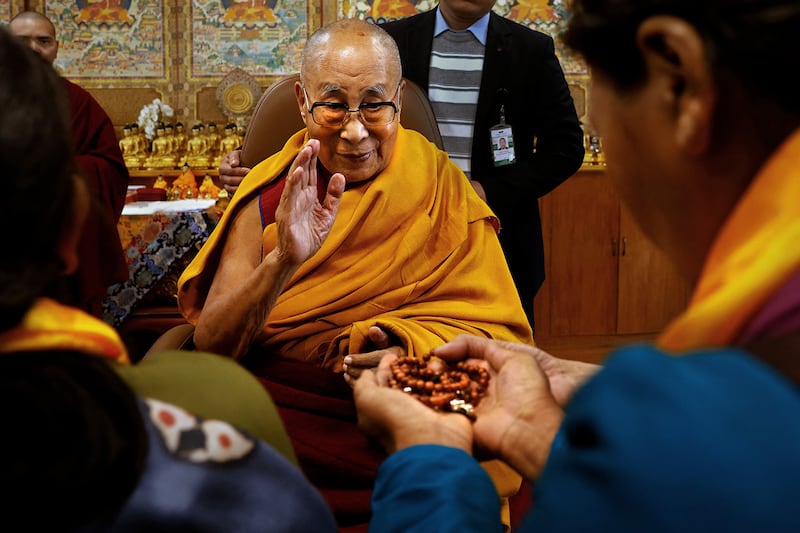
(67, 248)
(674, 56)
(299, 94)
(400, 93)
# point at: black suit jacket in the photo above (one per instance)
(522, 72)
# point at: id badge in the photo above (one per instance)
(502, 140)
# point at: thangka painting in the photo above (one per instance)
(546, 16)
(109, 38)
(261, 37)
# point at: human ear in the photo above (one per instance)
(301, 101)
(400, 92)
(674, 56)
(67, 248)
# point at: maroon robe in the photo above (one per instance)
(99, 158)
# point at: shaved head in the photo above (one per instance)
(357, 32)
(34, 16)
(37, 32)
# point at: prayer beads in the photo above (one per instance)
(458, 387)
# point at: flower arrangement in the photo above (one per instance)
(151, 114)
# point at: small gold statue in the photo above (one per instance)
(197, 149)
(129, 146)
(161, 183)
(208, 188)
(230, 142)
(161, 156)
(185, 185)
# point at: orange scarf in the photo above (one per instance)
(754, 254)
(49, 325)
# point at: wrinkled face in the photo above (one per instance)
(461, 14)
(352, 71)
(38, 34)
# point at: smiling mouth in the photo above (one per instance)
(357, 157)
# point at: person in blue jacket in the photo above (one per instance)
(696, 433)
(652, 442)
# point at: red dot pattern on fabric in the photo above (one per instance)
(166, 418)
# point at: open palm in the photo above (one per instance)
(303, 222)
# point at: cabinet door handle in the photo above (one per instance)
(624, 245)
(613, 247)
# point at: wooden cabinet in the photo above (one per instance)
(604, 277)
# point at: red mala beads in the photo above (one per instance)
(458, 387)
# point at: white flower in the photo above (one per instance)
(151, 114)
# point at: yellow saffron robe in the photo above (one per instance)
(414, 250)
(756, 251)
(49, 325)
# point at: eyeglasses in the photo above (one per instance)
(335, 114)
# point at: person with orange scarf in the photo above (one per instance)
(111, 446)
(388, 249)
(699, 432)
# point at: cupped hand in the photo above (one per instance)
(303, 222)
(518, 407)
(398, 420)
(231, 173)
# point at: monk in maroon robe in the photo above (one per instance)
(100, 160)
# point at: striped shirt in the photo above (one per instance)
(455, 79)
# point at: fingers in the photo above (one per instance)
(495, 352)
(336, 187)
(355, 364)
(305, 156)
(230, 171)
(379, 337)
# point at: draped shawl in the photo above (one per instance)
(49, 325)
(754, 256)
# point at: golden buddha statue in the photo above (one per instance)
(129, 146)
(229, 142)
(208, 189)
(180, 142)
(197, 149)
(185, 185)
(212, 140)
(143, 143)
(161, 156)
(161, 183)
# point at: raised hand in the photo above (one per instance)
(303, 222)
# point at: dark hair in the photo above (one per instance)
(37, 164)
(74, 442)
(756, 41)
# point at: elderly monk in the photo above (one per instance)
(411, 260)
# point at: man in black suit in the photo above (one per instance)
(521, 79)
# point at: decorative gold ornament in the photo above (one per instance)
(237, 94)
(238, 98)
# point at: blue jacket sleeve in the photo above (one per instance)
(434, 488)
